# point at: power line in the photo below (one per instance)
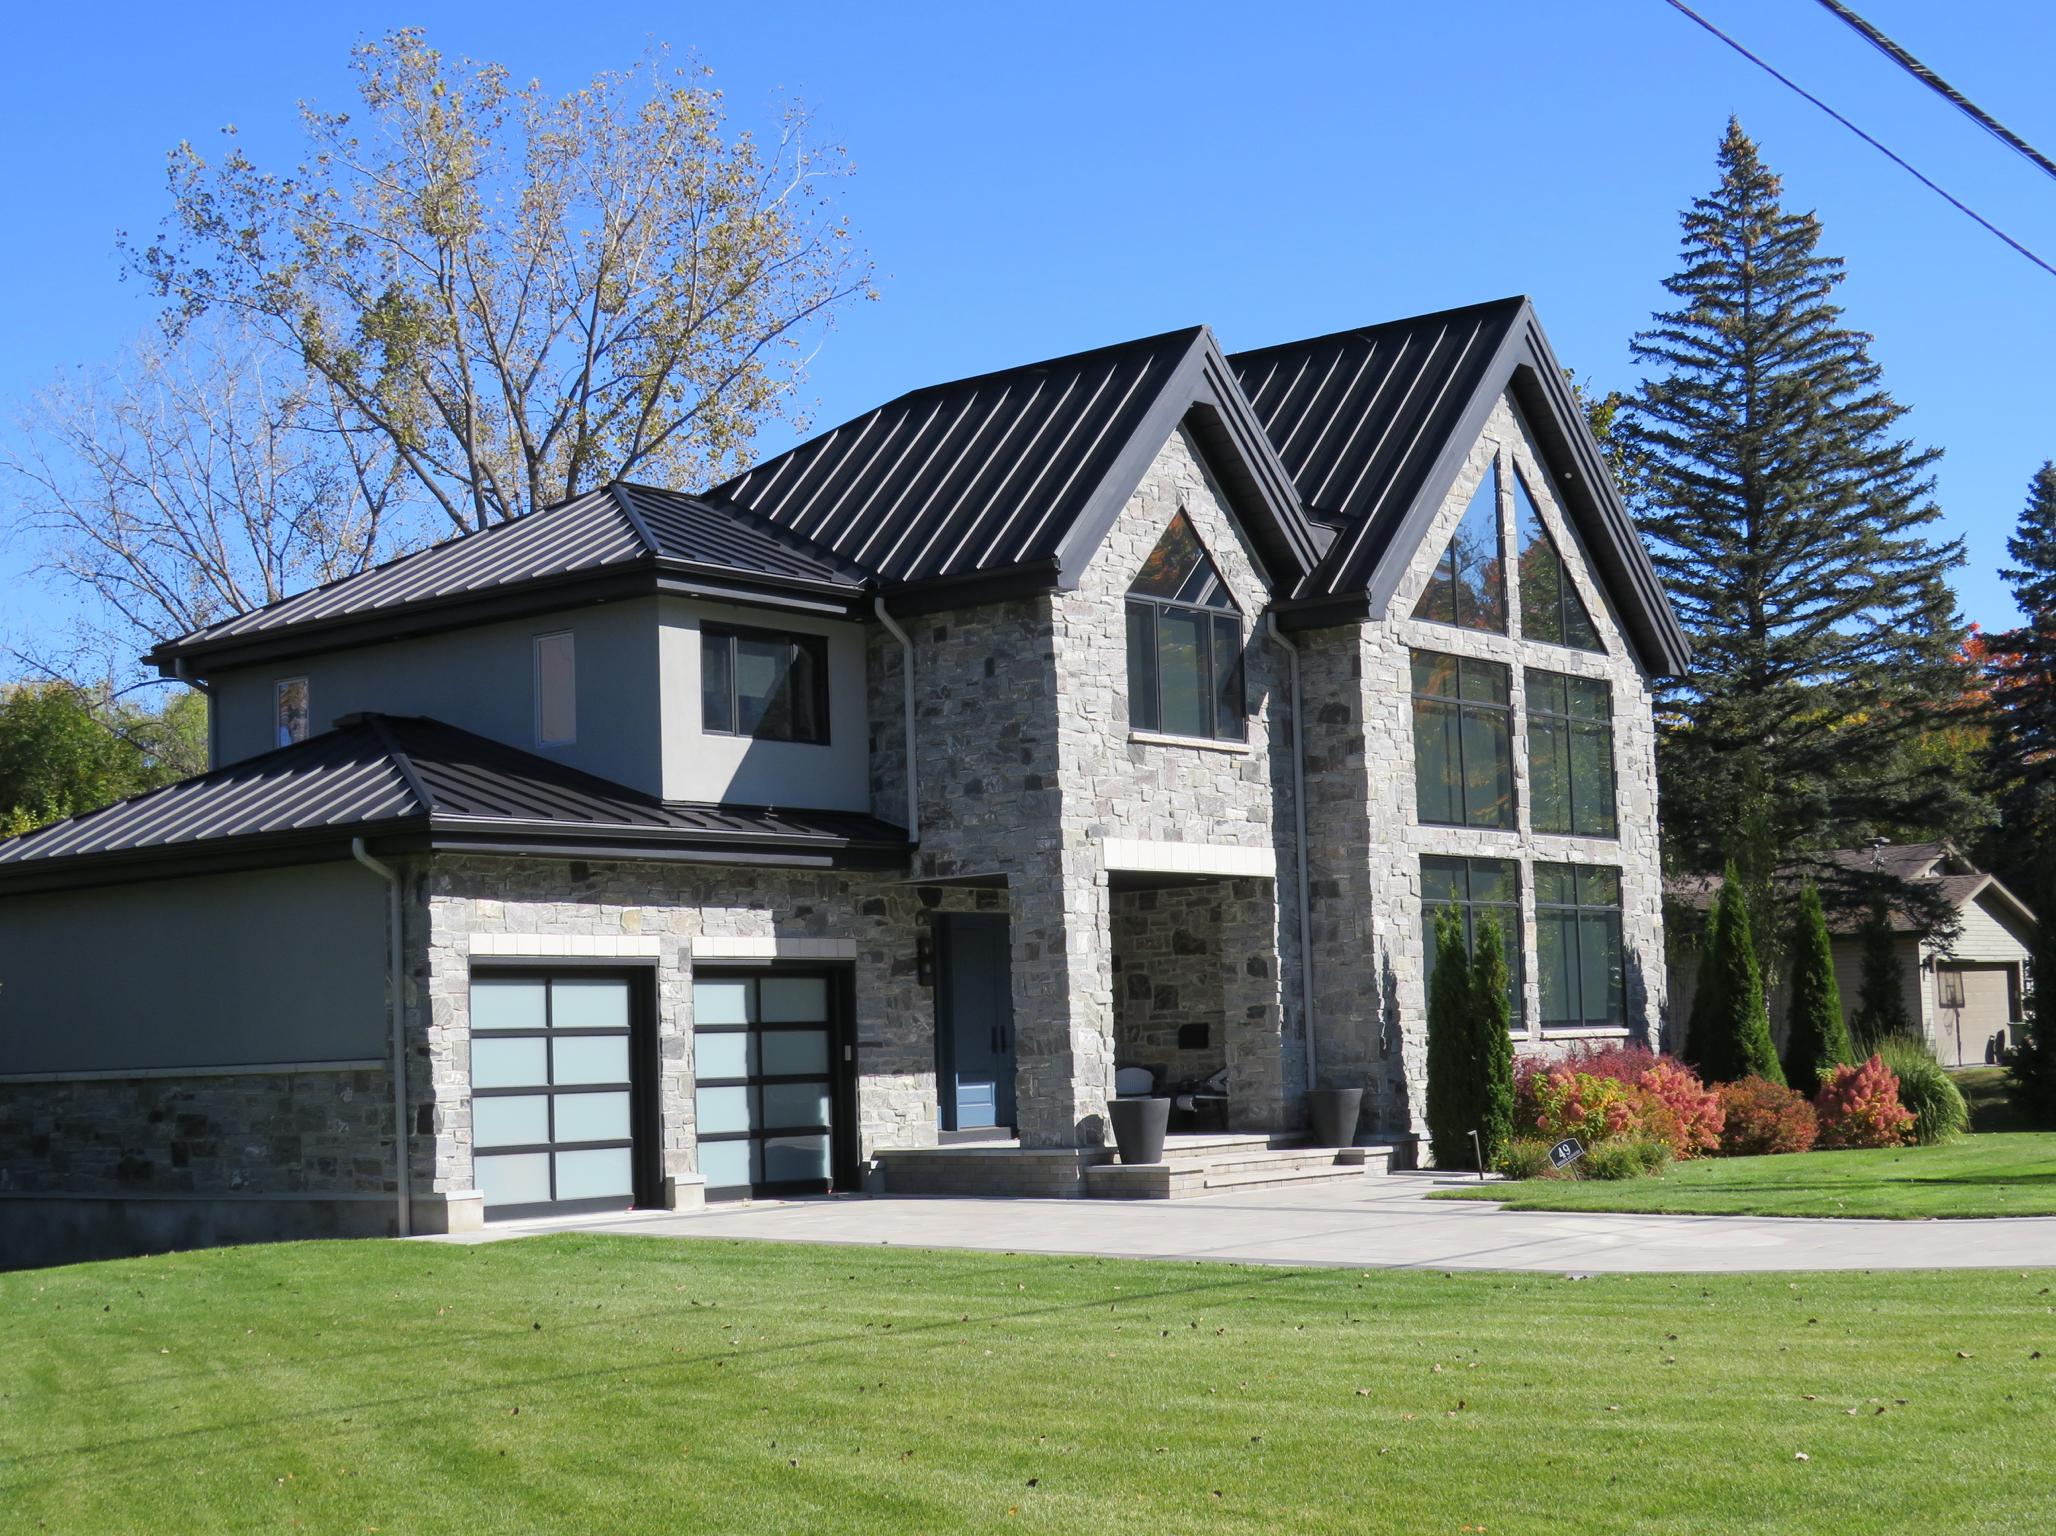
(1941, 87)
(1954, 202)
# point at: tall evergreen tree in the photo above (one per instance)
(2023, 677)
(1452, 1100)
(1816, 1037)
(1492, 1040)
(1730, 1038)
(1791, 529)
(1881, 985)
(2032, 1062)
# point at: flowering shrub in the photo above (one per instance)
(1598, 1094)
(1859, 1107)
(1759, 1117)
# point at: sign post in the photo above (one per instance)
(1566, 1152)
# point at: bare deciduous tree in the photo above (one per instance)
(202, 475)
(525, 296)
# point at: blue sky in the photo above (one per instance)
(1036, 180)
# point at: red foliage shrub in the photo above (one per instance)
(1598, 1094)
(1759, 1117)
(1859, 1107)
(1693, 1109)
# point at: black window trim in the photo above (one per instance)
(1529, 710)
(1506, 711)
(1233, 615)
(1617, 908)
(817, 644)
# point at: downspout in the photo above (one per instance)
(1306, 933)
(907, 674)
(399, 1044)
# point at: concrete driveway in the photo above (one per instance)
(1380, 1222)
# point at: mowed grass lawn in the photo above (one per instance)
(2004, 1175)
(618, 1385)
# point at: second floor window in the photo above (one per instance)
(754, 682)
(556, 690)
(1570, 754)
(1468, 587)
(1463, 741)
(1578, 945)
(1184, 643)
(291, 695)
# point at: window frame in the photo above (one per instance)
(816, 646)
(1228, 699)
(1581, 913)
(1567, 598)
(1456, 583)
(1547, 726)
(282, 730)
(1514, 930)
(544, 710)
(1466, 713)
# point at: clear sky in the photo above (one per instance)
(1034, 180)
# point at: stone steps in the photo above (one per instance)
(1237, 1163)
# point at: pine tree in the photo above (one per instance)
(1791, 530)
(2023, 676)
(1815, 1036)
(1730, 1037)
(1881, 988)
(1492, 1040)
(1452, 1098)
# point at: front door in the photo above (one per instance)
(556, 1081)
(770, 1081)
(975, 1019)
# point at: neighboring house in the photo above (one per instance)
(1965, 989)
(1214, 675)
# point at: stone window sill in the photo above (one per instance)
(1203, 743)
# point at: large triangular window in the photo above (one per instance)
(1184, 643)
(1468, 588)
(1551, 610)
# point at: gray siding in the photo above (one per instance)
(481, 680)
(282, 965)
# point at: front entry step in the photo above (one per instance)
(1232, 1163)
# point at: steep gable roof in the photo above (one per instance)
(1374, 424)
(411, 784)
(1009, 480)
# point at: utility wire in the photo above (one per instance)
(1954, 202)
(1941, 87)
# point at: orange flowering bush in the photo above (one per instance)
(1859, 1107)
(1602, 1095)
(1761, 1117)
(1692, 1108)
(1567, 1103)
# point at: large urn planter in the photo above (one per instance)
(1139, 1128)
(1334, 1112)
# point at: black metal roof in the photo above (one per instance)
(409, 784)
(1015, 476)
(1375, 423)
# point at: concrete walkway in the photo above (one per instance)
(1380, 1222)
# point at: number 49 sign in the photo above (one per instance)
(1566, 1152)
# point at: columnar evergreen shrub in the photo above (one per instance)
(1816, 1039)
(1881, 989)
(1927, 1090)
(2031, 1065)
(1859, 1107)
(1451, 1099)
(1759, 1117)
(1730, 1036)
(1492, 1038)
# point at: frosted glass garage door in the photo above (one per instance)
(763, 1065)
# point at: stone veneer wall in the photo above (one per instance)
(253, 1133)
(1167, 974)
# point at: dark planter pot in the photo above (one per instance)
(1333, 1112)
(1139, 1128)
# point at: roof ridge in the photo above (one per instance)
(401, 761)
(1512, 302)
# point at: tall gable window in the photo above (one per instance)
(1468, 588)
(773, 687)
(1551, 610)
(1578, 944)
(1184, 643)
(291, 697)
(556, 690)
(1570, 754)
(1463, 741)
(1471, 888)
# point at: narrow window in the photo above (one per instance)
(556, 690)
(1473, 887)
(1551, 610)
(1570, 754)
(1468, 588)
(292, 710)
(1578, 945)
(1463, 741)
(765, 685)
(1184, 643)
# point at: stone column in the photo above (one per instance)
(1266, 1054)
(1063, 1000)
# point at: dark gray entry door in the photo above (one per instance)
(975, 1017)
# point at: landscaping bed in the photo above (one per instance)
(624, 1385)
(1998, 1175)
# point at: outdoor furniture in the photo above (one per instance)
(1205, 1100)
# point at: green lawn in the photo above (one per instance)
(2005, 1175)
(621, 1385)
(1989, 1098)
